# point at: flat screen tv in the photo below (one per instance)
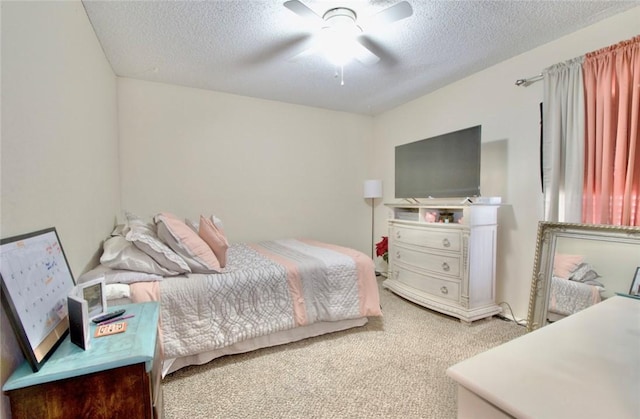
(445, 166)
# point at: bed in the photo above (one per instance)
(263, 294)
(574, 286)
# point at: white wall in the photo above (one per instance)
(510, 134)
(267, 169)
(59, 136)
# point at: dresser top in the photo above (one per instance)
(134, 346)
(443, 205)
(585, 365)
(449, 203)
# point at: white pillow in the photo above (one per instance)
(117, 291)
(119, 253)
(113, 276)
(118, 230)
(129, 277)
(144, 237)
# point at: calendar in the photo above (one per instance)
(36, 280)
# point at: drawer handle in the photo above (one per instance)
(397, 235)
(445, 267)
(397, 254)
(444, 290)
(446, 242)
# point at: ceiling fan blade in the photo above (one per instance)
(303, 11)
(364, 54)
(304, 53)
(277, 50)
(386, 55)
(391, 14)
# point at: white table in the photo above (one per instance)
(584, 366)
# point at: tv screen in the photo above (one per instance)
(445, 166)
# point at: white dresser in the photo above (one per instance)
(444, 257)
(581, 367)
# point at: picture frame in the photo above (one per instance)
(94, 293)
(36, 280)
(635, 284)
(78, 321)
(619, 243)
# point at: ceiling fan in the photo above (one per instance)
(341, 30)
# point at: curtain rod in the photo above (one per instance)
(526, 82)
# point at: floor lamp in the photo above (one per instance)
(372, 190)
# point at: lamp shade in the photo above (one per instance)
(373, 189)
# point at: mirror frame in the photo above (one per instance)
(548, 234)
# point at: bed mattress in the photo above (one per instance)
(266, 292)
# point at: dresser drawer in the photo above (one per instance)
(431, 238)
(450, 265)
(449, 290)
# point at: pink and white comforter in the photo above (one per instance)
(265, 288)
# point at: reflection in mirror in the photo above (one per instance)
(578, 265)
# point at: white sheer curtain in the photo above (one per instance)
(563, 119)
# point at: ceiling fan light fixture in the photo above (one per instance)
(340, 15)
(338, 50)
(337, 40)
(338, 36)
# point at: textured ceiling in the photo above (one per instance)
(247, 47)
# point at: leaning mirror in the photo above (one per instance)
(578, 265)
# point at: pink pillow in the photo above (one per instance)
(186, 243)
(215, 238)
(564, 265)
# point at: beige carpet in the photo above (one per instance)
(393, 367)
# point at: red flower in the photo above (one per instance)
(382, 248)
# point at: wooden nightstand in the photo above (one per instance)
(119, 376)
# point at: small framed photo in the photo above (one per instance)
(78, 321)
(93, 292)
(635, 284)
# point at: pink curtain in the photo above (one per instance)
(612, 147)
